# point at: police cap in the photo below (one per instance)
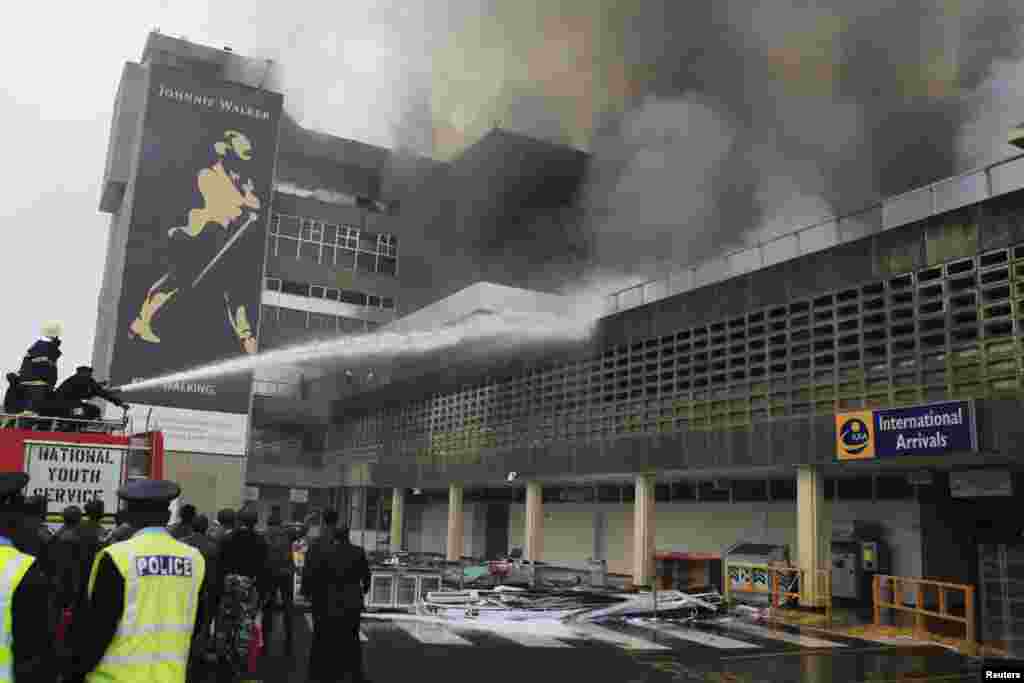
(148, 493)
(11, 485)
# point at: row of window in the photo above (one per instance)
(293, 319)
(340, 257)
(330, 234)
(345, 296)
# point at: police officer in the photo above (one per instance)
(26, 651)
(143, 605)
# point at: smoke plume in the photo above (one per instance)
(708, 125)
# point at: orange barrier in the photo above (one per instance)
(921, 615)
(824, 587)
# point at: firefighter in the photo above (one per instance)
(143, 602)
(14, 399)
(70, 398)
(38, 374)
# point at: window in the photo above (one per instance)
(373, 301)
(309, 251)
(388, 303)
(275, 223)
(783, 489)
(273, 284)
(296, 288)
(708, 493)
(316, 292)
(368, 242)
(387, 245)
(289, 226)
(330, 233)
(350, 325)
(345, 258)
(269, 314)
(748, 490)
(331, 294)
(293, 319)
(285, 246)
(321, 322)
(348, 237)
(366, 262)
(312, 231)
(349, 297)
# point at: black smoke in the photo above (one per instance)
(744, 122)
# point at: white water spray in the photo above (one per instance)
(506, 329)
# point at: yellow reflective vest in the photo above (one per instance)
(13, 567)
(162, 578)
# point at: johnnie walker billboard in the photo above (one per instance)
(198, 230)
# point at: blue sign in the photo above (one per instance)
(931, 429)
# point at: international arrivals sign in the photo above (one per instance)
(932, 429)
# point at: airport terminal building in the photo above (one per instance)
(864, 373)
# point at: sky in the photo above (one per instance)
(710, 124)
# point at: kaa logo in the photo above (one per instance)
(854, 436)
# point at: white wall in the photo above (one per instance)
(568, 534)
(426, 528)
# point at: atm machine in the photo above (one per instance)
(857, 555)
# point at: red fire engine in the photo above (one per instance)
(71, 462)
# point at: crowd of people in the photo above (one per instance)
(112, 601)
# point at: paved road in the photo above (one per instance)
(403, 649)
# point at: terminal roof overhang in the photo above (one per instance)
(418, 378)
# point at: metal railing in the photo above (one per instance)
(44, 423)
(897, 584)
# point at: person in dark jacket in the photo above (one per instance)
(243, 580)
(34, 536)
(66, 559)
(225, 525)
(282, 578)
(335, 577)
(31, 634)
(208, 548)
(186, 518)
(14, 399)
(122, 532)
(70, 398)
(91, 533)
(38, 374)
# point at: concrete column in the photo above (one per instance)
(397, 519)
(643, 531)
(534, 522)
(810, 508)
(456, 523)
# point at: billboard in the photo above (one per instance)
(932, 429)
(200, 202)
